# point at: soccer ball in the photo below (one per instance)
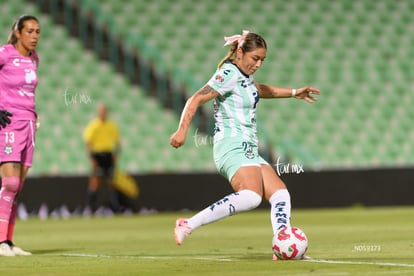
(290, 243)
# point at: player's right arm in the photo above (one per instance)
(205, 94)
(4, 114)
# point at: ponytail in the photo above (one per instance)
(230, 55)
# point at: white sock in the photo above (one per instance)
(229, 205)
(280, 209)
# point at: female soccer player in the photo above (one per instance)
(236, 95)
(18, 81)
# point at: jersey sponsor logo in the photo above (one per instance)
(24, 93)
(8, 198)
(16, 62)
(256, 98)
(219, 78)
(246, 82)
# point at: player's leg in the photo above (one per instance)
(114, 201)
(10, 186)
(92, 196)
(28, 130)
(13, 214)
(276, 193)
(18, 140)
(239, 162)
(93, 186)
(12, 222)
(247, 184)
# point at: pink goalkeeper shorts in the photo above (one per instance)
(17, 142)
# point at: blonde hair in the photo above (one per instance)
(231, 54)
(250, 43)
(18, 25)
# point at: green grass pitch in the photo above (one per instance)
(346, 241)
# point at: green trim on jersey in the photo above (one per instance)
(235, 108)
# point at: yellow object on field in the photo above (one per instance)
(126, 184)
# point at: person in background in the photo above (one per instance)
(102, 140)
(18, 81)
(236, 95)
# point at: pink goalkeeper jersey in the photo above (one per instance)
(18, 81)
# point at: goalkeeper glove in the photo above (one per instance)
(4, 118)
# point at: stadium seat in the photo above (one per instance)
(358, 53)
(66, 66)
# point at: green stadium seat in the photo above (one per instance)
(358, 53)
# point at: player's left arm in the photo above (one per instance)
(267, 91)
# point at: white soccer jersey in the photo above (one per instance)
(235, 108)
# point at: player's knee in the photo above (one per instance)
(11, 184)
(254, 198)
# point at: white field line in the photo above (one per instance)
(148, 257)
(358, 263)
(228, 259)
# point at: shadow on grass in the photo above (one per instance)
(53, 251)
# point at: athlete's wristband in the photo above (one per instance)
(293, 92)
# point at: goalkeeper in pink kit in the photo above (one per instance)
(18, 81)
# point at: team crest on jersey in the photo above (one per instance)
(249, 153)
(8, 149)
